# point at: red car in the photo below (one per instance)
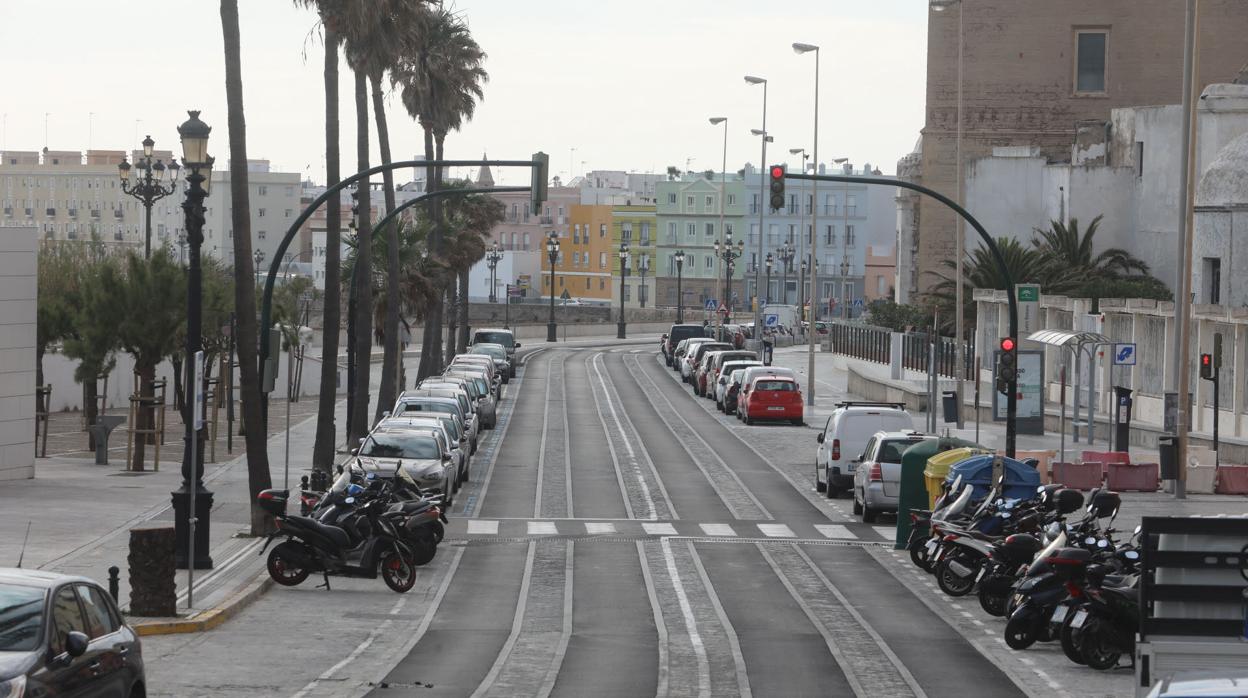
(771, 397)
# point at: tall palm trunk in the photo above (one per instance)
(258, 477)
(431, 336)
(452, 314)
(326, 430)
(364, 267)
(440, 227)
(463, 311)
(391, 357)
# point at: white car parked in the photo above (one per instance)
(845, 434)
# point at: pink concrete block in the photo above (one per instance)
(1079, 476)
(1232, 479)
(1140, 477)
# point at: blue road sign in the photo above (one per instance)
(710, 305)
(771, 320)
(857, 302)
(1124, 354)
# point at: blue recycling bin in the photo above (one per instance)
(1021, 480)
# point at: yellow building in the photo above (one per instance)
(636, 225)
(584, 267)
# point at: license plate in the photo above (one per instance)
(931, 546)
(775, 409)
(1080, 616)
(980, 575)
(1059, 614)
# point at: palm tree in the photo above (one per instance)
(440, 78)
(1064, 248)
(244, 285)
(471, 217)
(979, 270)
(330, 12)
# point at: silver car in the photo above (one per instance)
(409, 401)
(485, 362)
(455, 438)
(877, 472)
(498, 353)
(499, 336)
(422, 453)
(478, 379)
(478, 394)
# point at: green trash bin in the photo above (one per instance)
(913, 493)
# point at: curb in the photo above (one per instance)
(210, 618)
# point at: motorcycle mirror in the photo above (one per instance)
(1138, 528)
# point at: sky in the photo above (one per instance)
(596, 84)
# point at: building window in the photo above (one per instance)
(645, 234)
(671, 231)
(849, 236)
(692, 229)
(262, 212)
(513, 241)
(602, 284)
(710, 230)
(792, 233)
(561, 282)
(289, 212)
(526, 240)
(689, 202)
(626, 232)
(260, 235)
(880, 286)
(602, 230)
(262, 190)
(773, 235)
(1090, 61)
(587, 283)
(710, 262)
(830, 236)
(710, 202)
(576, 259)
(626, 290)
(671, 197)
(602, 260)
(851, 205)
(1212, 280)
(732, 200)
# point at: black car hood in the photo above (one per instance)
(16, 663)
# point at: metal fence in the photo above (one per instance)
(871, 343)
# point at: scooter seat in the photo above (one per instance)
(333, 533)
(984, 536)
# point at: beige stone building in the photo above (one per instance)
(1033, 73)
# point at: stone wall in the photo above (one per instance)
(19, 289)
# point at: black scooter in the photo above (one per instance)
(359, 546)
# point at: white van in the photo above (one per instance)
(844, 436)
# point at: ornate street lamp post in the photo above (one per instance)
(787, 252)
(767, 296)
(492, 258)
(729, 253)
(643, 265)
(552, 253)
(623, 273)
(149, 185)
(680, 299)
(194, 550)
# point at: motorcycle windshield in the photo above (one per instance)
(956, 508)
(1053, 546)
(344, 479)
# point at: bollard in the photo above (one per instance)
(114, 581)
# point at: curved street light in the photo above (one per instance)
(552, 253)
(149, 185)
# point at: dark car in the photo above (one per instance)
(64, 636)
(678, 333)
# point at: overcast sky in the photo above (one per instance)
(629, 85)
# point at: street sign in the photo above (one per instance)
(565, 295)
(1124, 354)
(857, 302)
(1028, 297)
(710, 305)
(197, 414)
(762, 304)
(723, 309)
(771, 320)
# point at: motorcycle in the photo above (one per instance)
(364, 543)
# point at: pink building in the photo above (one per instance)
(880, 273)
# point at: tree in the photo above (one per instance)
(979, 270)
(71, 274)
(1064, 249)
(471, 217)
(258, 477)
(897, 316)
(673, 173)
(142, 302)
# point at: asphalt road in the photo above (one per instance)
(625, 541)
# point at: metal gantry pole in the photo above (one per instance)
(814, 225)
(762, 198)
(959, 242)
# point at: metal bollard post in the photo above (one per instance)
(114, 582)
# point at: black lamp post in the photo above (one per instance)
(552, 253)
(492, 258)
(199, 169)
(767, 295)
(786, 257)
(619, 334)
(643, 265)
(729, 253)
(149, 185)
(801, 291)
(680, 298)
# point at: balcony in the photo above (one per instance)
(118, 214)
(95, 213)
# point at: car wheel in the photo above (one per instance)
(832, 491)
(820, 486)
(869, 515)
(857, 504)
(748, 421)
(799, 423)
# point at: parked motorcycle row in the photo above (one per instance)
(1050, 564)
(384, 514)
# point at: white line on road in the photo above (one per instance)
(776, 530)
(541, 448)
(832, 531)
(489, 472)
(734, 644)
(718, 530)
(659, 529)
(691, 623)
(615, 460)
(628, 445)
(659, 626)
(567, 441)
(517, 622)
(482, 527)
(597, 527)
(542, 528)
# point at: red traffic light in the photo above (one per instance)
(777, 172)
(1007, 344)
(1206, 359)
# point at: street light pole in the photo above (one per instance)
(148, 189)
(623, 273)
(723, 190)
(800, 48)
(787, 253)
(492, 258)
(762, 167)
(643, 265)
(552, 253)
(192, 504)
(769, 260)
(680, 298)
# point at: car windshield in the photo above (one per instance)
(21, 617)
(399, 445)
(503, 338)
(775, 385)
(492, 352)
(429, 407)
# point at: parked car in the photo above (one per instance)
(702, 371)
(478, 394)
(715, 365)
(845, 434)
(64, 636)
(486, 362)
(733, 391)
(497, 352)
(478, 374)
(693, 358)
(676, 335)
(422, 453)
(723, 380)
(499, 336)
(877, 475)
(414, 401)
(771, 398)
(684, 356)
(456, 439)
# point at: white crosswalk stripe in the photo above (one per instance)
(888, 531)
(482, 527)
(835, 531)
(776, 530)
(659, 529)
(593, 527)
(718, 530)
(542, 528)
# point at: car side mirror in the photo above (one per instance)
(355, 451)
(446, 458)
(76, 643)
(819, 437)
(385, 414)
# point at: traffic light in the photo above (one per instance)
(1007, 365)
(1206, 366)
(539, 175)
(777, 187)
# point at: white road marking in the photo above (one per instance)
(485, 481)
(567, 443)
(359, 649)
(615, 461)
(628, 445)
(517, 622)
(691, 623)
(599, 527)
(541, 448)
(886, 531)
(659, 529)
(743, 680)
(542, 528)
(482, 527)
(835, 531)
(776, 530)
(659, 626)
(718, 530)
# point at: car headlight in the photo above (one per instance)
(13, 688)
